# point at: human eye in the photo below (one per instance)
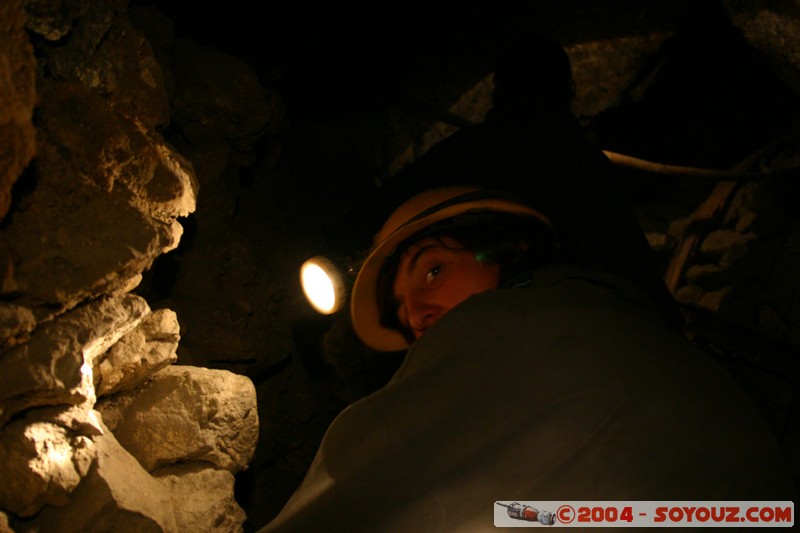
(433, 273)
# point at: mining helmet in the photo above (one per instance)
(412, 217)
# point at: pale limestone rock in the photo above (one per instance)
(100, 215)
(41, 462)
(116, 495)
(54, 367)
(140, 353)
(187, 414)
(107, 192)
(165, 186)
(4, 527)
(99, 110)
(81, 419)
(16, 323)
(203, 498)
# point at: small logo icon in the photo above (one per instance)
(565, 514)
(528, 513)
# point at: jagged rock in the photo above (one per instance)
(53, 20)
(88, 244)
(109, 59)
(203, 498)
(774, 29)
(104, 52)
(603, 70)
(725, 243)
(101, 214)
(100, 204)
(41, 463)
(18, 94)
(16, 322)
(81, 419)
(187, 413)
(107, 187)
(139, 354)
(54, 367)
(116, 495)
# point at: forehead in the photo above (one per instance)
(436, 242)
(428, 247)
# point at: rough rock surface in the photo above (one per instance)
(139, 354)
(94, 235)
(202, 498)
(116, 495)
(187, 414)
(42, 463)
(97, 205)
(54, 367)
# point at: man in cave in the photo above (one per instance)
(528, 376)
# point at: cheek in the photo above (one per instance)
(491, 275)
(486, 281)
(484, 276)
(474, 280)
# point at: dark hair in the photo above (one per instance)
(516, 243)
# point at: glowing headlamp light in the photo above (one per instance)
(323, 284)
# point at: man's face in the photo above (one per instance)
(433, 276)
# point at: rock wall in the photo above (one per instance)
(100, 430)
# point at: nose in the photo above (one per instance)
(423, 315)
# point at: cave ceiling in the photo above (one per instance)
(335, 60)
(724, 83)
(367, 53)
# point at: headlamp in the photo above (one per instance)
(326, 282)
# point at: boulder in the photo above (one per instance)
(187, 414)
